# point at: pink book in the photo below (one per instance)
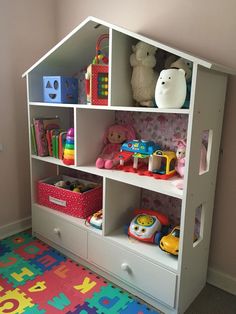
(41, 125)
(40, 137)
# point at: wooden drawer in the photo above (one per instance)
(58, 230)
(140, 273)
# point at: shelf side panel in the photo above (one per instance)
(121, 71)
(116, 208)
(206, 114)
(90, 129)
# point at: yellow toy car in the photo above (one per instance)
(170, 242)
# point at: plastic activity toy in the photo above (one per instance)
(155, 162)
(96, 76)
(162, 164)
(148, 225)
(95, 220)
(170, 242)
(60, 89)
(136, 149)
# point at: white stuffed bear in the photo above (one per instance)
(143, 80)
(184, 64)
(171, 89)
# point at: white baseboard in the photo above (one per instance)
(14, 227)
(221, 280)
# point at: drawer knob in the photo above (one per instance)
(125, 267)
(57, 231)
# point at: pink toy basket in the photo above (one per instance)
(80, 205)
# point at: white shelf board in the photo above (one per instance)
(160, 186)
(51, 160)
(47, 104)
(136, 109)
(151, 252)
(115, 108)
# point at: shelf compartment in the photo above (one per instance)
(75, 52)
(42, 171)
(119, 201)
(65, 114)
(147, 126)
(65, 121)
(121, 69)
(90, 129)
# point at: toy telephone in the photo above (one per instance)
(147, 224)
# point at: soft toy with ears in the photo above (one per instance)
(180, 154)
(184, 64)
(114, 137)
(180, 162)
(171, 89)
(143, 80)
(187, 66)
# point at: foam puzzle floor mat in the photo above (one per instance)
(37, 279)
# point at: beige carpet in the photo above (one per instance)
(213, 301)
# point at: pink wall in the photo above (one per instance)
(29, 28)
(205, 29)
(27, 31)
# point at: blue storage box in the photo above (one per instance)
(60, 89)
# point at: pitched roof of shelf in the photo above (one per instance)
(96, 21)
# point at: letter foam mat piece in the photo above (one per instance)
(31, 249)
(14, 302)
(109, 300)
(74, 281)
(49, 282)
(17, 240)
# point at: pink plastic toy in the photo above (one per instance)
(114, 136)
(180, 163)
(180, 154)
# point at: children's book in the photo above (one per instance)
(49, 141)
(61, 144)
(33, 141)
(41, 125)
(55, 138)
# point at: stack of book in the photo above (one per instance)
(47, 138)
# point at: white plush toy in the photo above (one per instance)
(171, 89)
(144, 78)
(184, 64)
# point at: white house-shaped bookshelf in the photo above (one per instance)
(167, 282)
